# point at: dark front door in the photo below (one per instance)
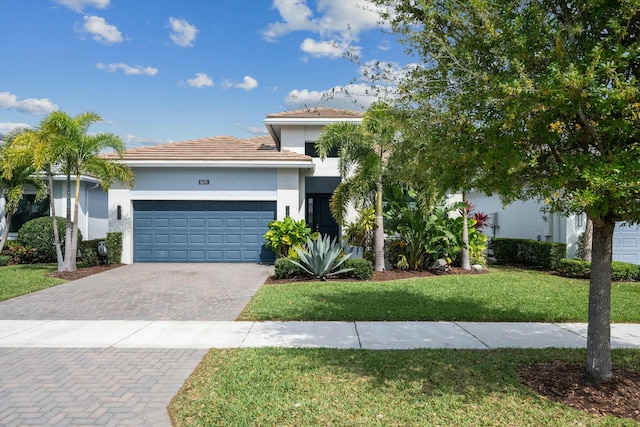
(319, 215)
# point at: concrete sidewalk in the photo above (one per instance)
(139, 334)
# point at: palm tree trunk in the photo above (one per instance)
(599, 329)
(464, 256)
(5, 232)
(74, 233)
(56, 232)
(69, 226)
(379, 239)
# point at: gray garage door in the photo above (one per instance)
(626, 243)
(201, 231)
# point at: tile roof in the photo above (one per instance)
(220, 148)
(317, 112)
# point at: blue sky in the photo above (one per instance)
(170, 70)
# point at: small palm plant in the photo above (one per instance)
(322, 258)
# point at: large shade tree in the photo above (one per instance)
(363, 152)
(62, 145)
(549, 94)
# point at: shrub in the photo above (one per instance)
(361, 269)
(286, 235)
(89, 253)
(620, 271)
(321, 258)
(286, 270)
(114, 248)
(624, 271)
(576, 268)
(4, 260)
(531, 253)
(38, 234)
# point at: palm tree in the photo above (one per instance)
(79, 154)
(61, 145)
(363, 150)
(13, 180)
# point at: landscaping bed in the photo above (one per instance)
(83, 272)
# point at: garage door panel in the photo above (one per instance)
(626, 243)
(201, 231)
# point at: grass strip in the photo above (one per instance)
(329, 387)
(16, 280)
(504, 295)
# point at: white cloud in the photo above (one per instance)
(257, 130)
(318, 49)
(248, 83)
(183, 34)
(31, 105)
(335, 20)
(132, 141)
(129, 70)
(351, 97)
(7, 127)
(200, 80)
(100, 30)
(79, 5)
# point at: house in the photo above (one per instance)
(212, 199)
(526, 220)
(93, 218)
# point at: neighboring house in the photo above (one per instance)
(212, 199)
(93, 210)
(526, 220)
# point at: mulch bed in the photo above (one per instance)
(383, 276)
(83, 272)
(568, 383)
(562, 382)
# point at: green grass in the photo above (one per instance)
(328, 387)
(505, 295)
(16, 280)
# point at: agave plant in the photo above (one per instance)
(322, 258)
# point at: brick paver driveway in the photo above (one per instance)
(116, 387)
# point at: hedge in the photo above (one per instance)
(89, 253)
(620, 271)
(38, 234)
(114, 247)
(531, 253)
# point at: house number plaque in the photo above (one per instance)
(203, 182)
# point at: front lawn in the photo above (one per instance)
(328, 387)
(16, 280)
(504, 295)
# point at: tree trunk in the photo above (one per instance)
(56, 232)
(69, 226)
(599, 329)
(74, 231)
(5, 232)
(464, 256)
(379, 237)
(587, 239)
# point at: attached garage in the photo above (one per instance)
(626, 243)
(201, 231)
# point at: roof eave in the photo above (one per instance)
(279, 164)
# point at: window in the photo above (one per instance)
(28, 209)
(310, 150)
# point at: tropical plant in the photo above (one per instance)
(14, 177)
(363, 151)
(321, 257)
(286, 235)
(62, 145)
(360, 232)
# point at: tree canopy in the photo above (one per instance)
(531, 99)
